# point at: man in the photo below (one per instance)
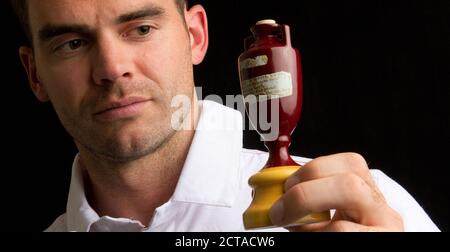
(111, 69)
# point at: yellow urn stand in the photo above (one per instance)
(268, 187)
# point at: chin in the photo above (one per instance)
(126, 152)
(134, 145)
(128, 141)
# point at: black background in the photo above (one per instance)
(376, 82)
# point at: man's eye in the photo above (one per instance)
(140, 32)
(75, 44)
(144, 30)
(71, 46)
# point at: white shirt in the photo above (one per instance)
(212, 192)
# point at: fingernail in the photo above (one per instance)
(277, 212)
(290, 182)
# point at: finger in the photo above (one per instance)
(339, 225)
(330, 166)
(348, 226)
(309, 227)
(347, 192)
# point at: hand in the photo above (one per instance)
(342, 182)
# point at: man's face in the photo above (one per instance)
(111, 68)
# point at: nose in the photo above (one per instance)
(111, 61)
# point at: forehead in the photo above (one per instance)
(43, 12)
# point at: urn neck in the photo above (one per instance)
(279, 153)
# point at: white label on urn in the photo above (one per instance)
(267, 87)
(254, 62)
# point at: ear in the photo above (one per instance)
(27, 57)
(197, 24)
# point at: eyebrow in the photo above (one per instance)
(152, 11)
(50, 31)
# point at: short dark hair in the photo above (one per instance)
(20, 7)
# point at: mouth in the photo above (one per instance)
(121, 109)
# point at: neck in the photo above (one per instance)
(135, 189)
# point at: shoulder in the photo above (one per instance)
(414, 217)
(59, 225)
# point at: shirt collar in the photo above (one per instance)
(80, 214)
(211, 174)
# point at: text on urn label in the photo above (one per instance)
(269, 86)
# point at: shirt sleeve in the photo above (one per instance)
(415, 219)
